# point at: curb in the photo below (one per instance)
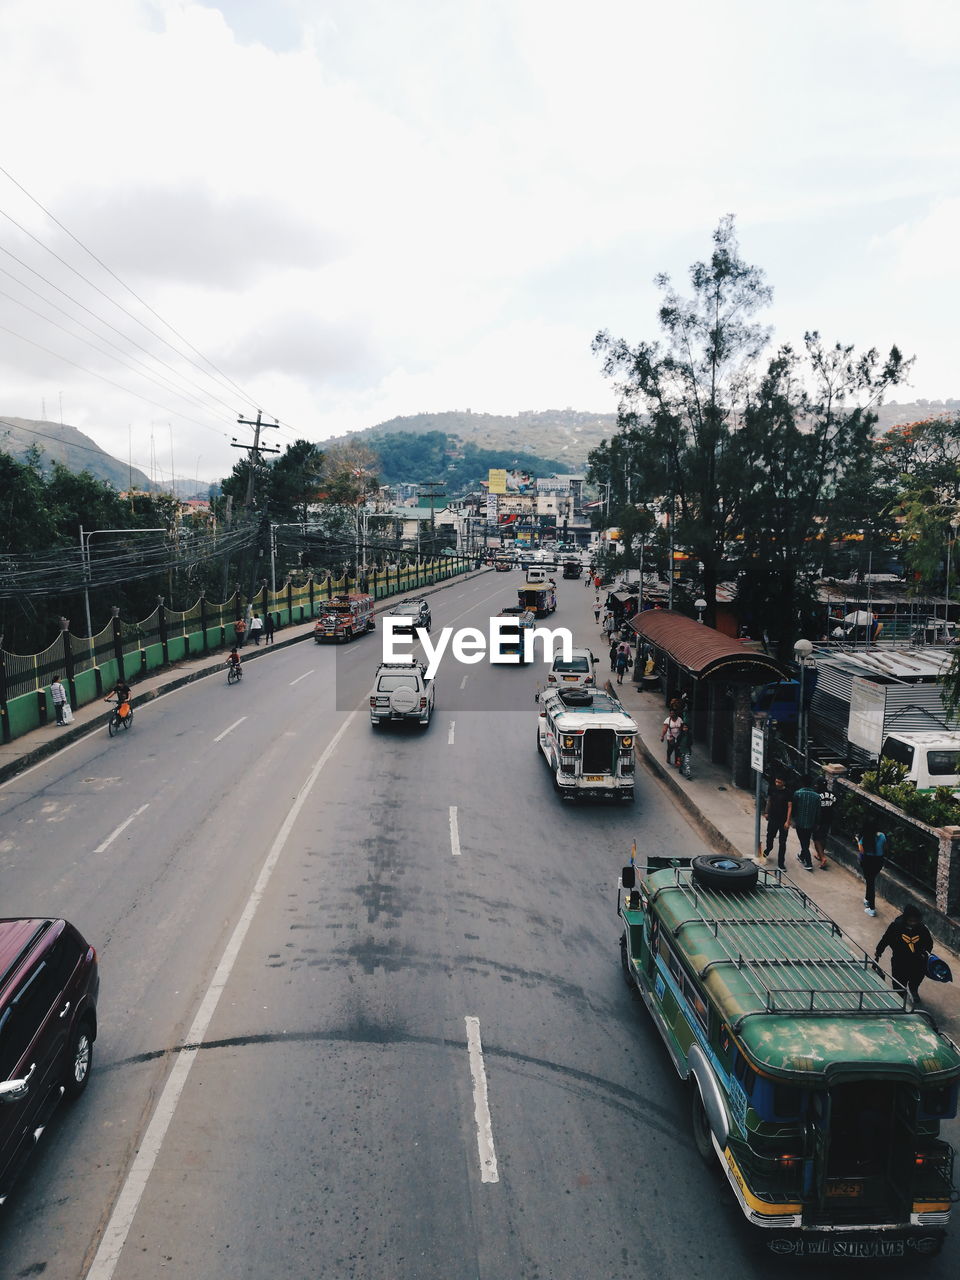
(656, 766)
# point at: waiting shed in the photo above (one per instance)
(716, 673)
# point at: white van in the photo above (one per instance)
(931, 759)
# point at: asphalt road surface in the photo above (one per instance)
(361, 1013)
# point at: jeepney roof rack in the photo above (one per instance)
(749, 930)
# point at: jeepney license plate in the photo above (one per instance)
(594, 777)
(844, 1188)
(569, 677)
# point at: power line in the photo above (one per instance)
(224, 379)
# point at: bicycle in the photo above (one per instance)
(234, 673)
(120, 718)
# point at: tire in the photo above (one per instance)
(701, 1127)
(628, 797)
(113, 724)
(127, 720)
(720, 871)
(80, 1060)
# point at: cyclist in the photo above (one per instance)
(120, 694)
(234, 661)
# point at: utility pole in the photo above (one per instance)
(254, 450)
(433, 486)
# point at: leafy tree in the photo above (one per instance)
(26, 522)
(677, 400)
(295, 481)
(803, 453)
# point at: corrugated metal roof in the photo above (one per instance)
(702, 651)
(892, 664)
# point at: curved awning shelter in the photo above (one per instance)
(703, 652)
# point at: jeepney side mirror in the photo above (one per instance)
(628, 877)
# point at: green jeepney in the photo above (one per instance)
(814, 1085)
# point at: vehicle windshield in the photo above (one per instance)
(336, 608)
(575, 664)
(387, 684)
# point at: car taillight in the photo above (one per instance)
(423, 704)
(373, 701)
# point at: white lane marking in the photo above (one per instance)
(453, 725)
(101, 848)
(121, 1220)
(460, 596)
(454, 832)
(303, 677)
(481, 1107)
(463, 682)
(221, 736)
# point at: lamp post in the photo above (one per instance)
(946, 592)
(802, 651)
(700, 605)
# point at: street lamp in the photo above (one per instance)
(802, 651)
(700, 605)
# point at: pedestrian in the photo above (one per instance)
(622, 664)
(822, 829)
(240, 630)
(59, 696)
(871, 851)
(778, 810)
(609, 625)
(671, 731)
(596, 610)
(910, 945)
(256, 629)
(806, 813)
(614, 646)
(268, 629)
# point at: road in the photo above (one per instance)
(367, 985)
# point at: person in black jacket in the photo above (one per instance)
(910, 943)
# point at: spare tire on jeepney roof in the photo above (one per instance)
(721, 871)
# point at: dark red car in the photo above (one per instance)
(49, 982)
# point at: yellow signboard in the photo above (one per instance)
(496, 481)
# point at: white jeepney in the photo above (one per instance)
(587, 740)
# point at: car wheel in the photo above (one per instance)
(720, 871)
(80, 1060)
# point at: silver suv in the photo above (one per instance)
(401, 691)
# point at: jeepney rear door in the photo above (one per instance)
(901, 1163)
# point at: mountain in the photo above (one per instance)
(77, 452)
(564, 436)
(567, 435)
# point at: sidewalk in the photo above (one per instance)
(30, 748)
(725, 815)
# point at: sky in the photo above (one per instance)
(341, 211)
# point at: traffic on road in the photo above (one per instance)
(361, 1008)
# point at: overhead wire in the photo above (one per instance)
(222, 378)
